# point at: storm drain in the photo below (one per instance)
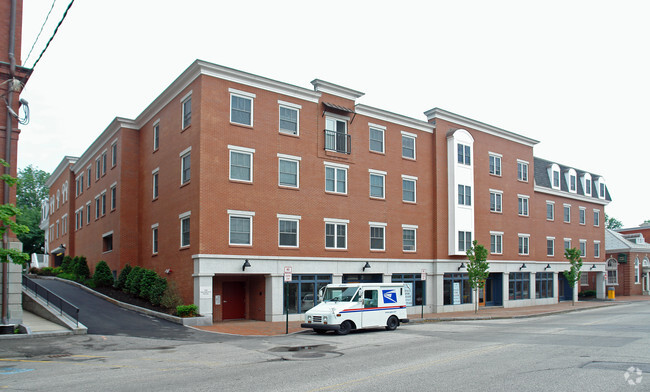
(320, 351)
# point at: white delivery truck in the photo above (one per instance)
(344, 307)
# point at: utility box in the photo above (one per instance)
(611, 293)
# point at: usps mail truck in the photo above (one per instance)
(344, 307)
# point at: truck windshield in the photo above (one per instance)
(343, 294)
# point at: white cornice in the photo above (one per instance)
(104, 138)
(65, 163)
(335, 89)
(437, 113)
(568, 195)
(399, 119)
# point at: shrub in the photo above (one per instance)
(65, 275)
(103, 276)
(187, 310)
(81, 269)
(146, 282)
(132, 284)
(121, 280)
(157, 290)
(67, 265)
(49, 271)
(34, 270)
(587, 293)
(171, 298)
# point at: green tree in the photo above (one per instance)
(30, 191)
(146, 283)
(124, 274)
(573, 274)
(132, 284)
(612, 223)
(81, 269)
(477, 269)
(9, 212)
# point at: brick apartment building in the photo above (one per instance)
(228, 179)
(628, 260)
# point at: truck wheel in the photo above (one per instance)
(320, 331)
(345, 329)
(392, 323)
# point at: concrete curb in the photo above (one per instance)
(36, 305)
(186, 321)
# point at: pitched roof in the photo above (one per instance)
(616, 242)
(542, 178)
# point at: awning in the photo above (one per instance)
(337, 107)
(58, 250)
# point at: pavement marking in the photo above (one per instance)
(10, 370)
(415, 367)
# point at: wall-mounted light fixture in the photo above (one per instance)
(365, 266)
(461, 266)
(246, 264)
(548, 266)
(523, 265)
(592, 267)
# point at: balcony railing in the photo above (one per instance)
(337, 141)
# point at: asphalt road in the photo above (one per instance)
(104, 318)
(593, 350)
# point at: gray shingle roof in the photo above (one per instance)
(616, 242)
(542, 179)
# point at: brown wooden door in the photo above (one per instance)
(234, 300)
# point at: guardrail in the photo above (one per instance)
(52, 299)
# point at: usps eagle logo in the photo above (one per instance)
(390, 296)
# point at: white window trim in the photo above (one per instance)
(245, 95)
(285, 216)
(289, 105)
(336, 222)
(415, 239)
(154, 227)
(185, 151)
(500, 234)
(583, 242)
(294, 218)
(336, 166)
(522, 235)
(241, 150)
(114, 156)
(496, 191)
(415, 189)
(414, 137)
(597, 210)
(563, 218)
(375, 225)
(383, 185)
(107, 234)
(297, 161)
(527, 171)
(550, 239)
(239, 212)
(185, 98)
(153, 135)
(184, 214)
(597, 255)
(584, 210)
(527, 198)
(496, 155)
(381, 128)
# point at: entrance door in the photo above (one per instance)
(234, 300)
(564, 288)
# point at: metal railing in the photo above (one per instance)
(337, 141)
(52, 299)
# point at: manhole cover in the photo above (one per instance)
(320, 351)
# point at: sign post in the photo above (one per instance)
(287, 279)
(423, 278)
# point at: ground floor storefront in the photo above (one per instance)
(265, 288)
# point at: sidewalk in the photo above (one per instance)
(267, 328)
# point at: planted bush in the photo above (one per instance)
(81, 269)
(146, 283)
(67, 265)
(103, 276)
(132, 284)
(121, 280)
(157, 290)
(187, 310)
(171, 298)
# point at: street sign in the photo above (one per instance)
(287, 274)
(423, 276)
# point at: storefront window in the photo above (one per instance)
(415, 288)
(456, 289)
(303, 291)
(544, 285)
(519, 285)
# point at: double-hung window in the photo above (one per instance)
(289, 118)
(464, 154)
(377, 184)
(596, 217)
(241, 227)
(464, 241)
(496, 242)
(288, 171)
(596, 249)
(550, 246)
(154, 238)
(524, 242)
(113, 196)
(241, 107)
(409, 233)
(103, 195)
(464, 195)
(288, 229)
(186, 111)
(522, 202)
(556, 179)
(241, 163)
(88, 207)
(98, 168)
(89, 171)
(522, 171)
(376, 136)
(550, 210)
(97, 207)
(336, 233)
(336, 178)
(377, 236)
(583, 248)
(495, 164)
(104, 162)
(583, 215)
(114, 154)
(567, 243)
(154, 183)
(496, 198)
(186, 161)
(409, 188)
(156, 136)
(408, 145)
(185, 228)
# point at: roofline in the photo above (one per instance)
(108, 133)
(568, 195)
(437, 113)
(335, 89)
(65, 163)
(395, 118)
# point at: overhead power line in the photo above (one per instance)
(39, 33)
(53, 34)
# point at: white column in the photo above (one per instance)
(337, 278)
(203, 297)
(601, 290)
(435, 296)
(576, 286)
(556, 286)
(533, 285)
(274, 297)
(505, 289)
(388, 278)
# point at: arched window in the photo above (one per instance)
(554, 175)
(612, 272)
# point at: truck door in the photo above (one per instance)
(372, 315)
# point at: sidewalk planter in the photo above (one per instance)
(6, 329)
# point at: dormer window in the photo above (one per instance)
(555, 176)
(572, 180)
(586, 184)
(600, 187)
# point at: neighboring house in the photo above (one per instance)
(628, 263)
(229, 182)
